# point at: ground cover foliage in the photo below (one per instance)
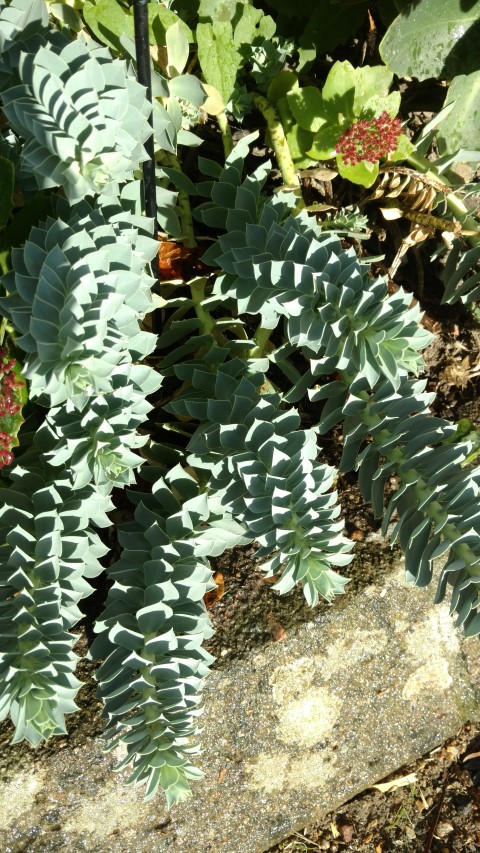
(208, 389)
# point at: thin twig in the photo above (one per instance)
(436, 814)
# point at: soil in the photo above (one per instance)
(437, 811)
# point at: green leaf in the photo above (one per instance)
(299, 142)
(253, 24)
(218, 57)
(433, 39)
(67, 15)
(306, 55)
(177, 50)
(370, 81)
(160, 19)
(189, 88)
(461, 127)
(330, 25)
(109, 21)
(377, 104)
(306, 104)
(403, 150)
(325, 142)
(363, 173)
(283, 83)
(7, 182)
(338, 92)
(218, 10)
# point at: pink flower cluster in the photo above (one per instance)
(369, 139)
(8, 406)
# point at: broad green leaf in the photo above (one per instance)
(189, 88)
(330, 25)
(307, 106)
(433, 38)
(159, 20)
(218, 57)
(299, 141)
(461, 127)
(325, 142)
(109, 21)
(338, 92)
(253, 24)
(377, 104)
(370, 81)
(283, 83)
(363, 173)
(219, 10)
(177, 50)
(67, 15)
(7, 182)
(306, 55)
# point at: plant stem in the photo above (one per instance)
(183, 202)
(454, 203)
(197, 288)
(280, 147)
(225, 131)
(262, 336)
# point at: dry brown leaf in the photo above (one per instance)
(215, 594)
(276, 628)
(177, 262)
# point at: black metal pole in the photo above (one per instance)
(142, 50)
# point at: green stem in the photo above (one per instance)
(197, 289)
(280, 147)
(183, 202)
(226, 132)
(262, 336)
(454, 203)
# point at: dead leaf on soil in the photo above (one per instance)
(210, 598)
(276, 628)
(221, 775)
(401, 782)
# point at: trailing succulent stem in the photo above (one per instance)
(341, 321)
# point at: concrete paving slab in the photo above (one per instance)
(290, 733)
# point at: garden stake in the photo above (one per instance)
(142, 50)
